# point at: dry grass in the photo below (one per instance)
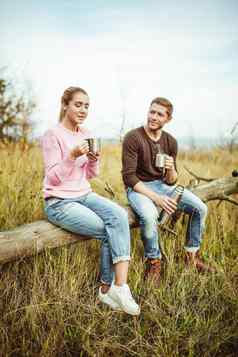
(49, 302)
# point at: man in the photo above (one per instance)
(149, 187)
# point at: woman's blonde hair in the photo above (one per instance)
(66, 98)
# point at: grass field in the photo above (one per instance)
(48, 303)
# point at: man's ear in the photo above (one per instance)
(169, 119)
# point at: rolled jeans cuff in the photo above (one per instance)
(191, 249)
(148, 257)
(121, 259)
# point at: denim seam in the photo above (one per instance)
(189, 227)
(190, 230)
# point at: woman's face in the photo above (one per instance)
(77, 109)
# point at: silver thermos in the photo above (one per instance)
(176, 195)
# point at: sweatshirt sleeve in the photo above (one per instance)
(130, 150)
(174, 151)
(92, 169)
(56, 169)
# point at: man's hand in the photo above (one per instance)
(169, 163)
(79, 150)
(170, 173)
(165, 202)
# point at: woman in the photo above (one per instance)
(71, 204)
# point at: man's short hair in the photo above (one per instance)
(166, 103)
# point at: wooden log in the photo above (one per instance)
(30, 239)
(216, 189)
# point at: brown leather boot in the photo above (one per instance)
(193, 259)
(152, 271)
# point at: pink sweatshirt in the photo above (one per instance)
(66, 178)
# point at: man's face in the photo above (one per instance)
(77, 109)
(157, 117)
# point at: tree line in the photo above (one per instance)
(15, 112)
(16, 109)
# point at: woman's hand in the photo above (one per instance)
(93, 156)
(79, 150)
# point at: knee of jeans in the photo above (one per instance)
(119, 215)
(203, 209)
(150, 218)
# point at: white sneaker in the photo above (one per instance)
(122, 296)
(105, 298)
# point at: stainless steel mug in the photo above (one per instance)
(160, 160)
(94, 145)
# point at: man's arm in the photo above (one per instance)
(163, 201)
(171, 175)
(130, 149)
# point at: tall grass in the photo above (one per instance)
(49, 305)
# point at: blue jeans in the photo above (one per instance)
(95, 216)
(148, 217)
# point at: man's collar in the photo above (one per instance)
(152, 137)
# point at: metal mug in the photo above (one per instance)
(160, 160)
(94, 145)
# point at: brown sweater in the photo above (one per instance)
(138, 156)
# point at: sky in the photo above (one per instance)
(125, 53)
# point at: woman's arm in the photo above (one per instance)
(92, 166)
(56, 169)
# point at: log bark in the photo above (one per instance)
(216, 189)
(32, 238)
